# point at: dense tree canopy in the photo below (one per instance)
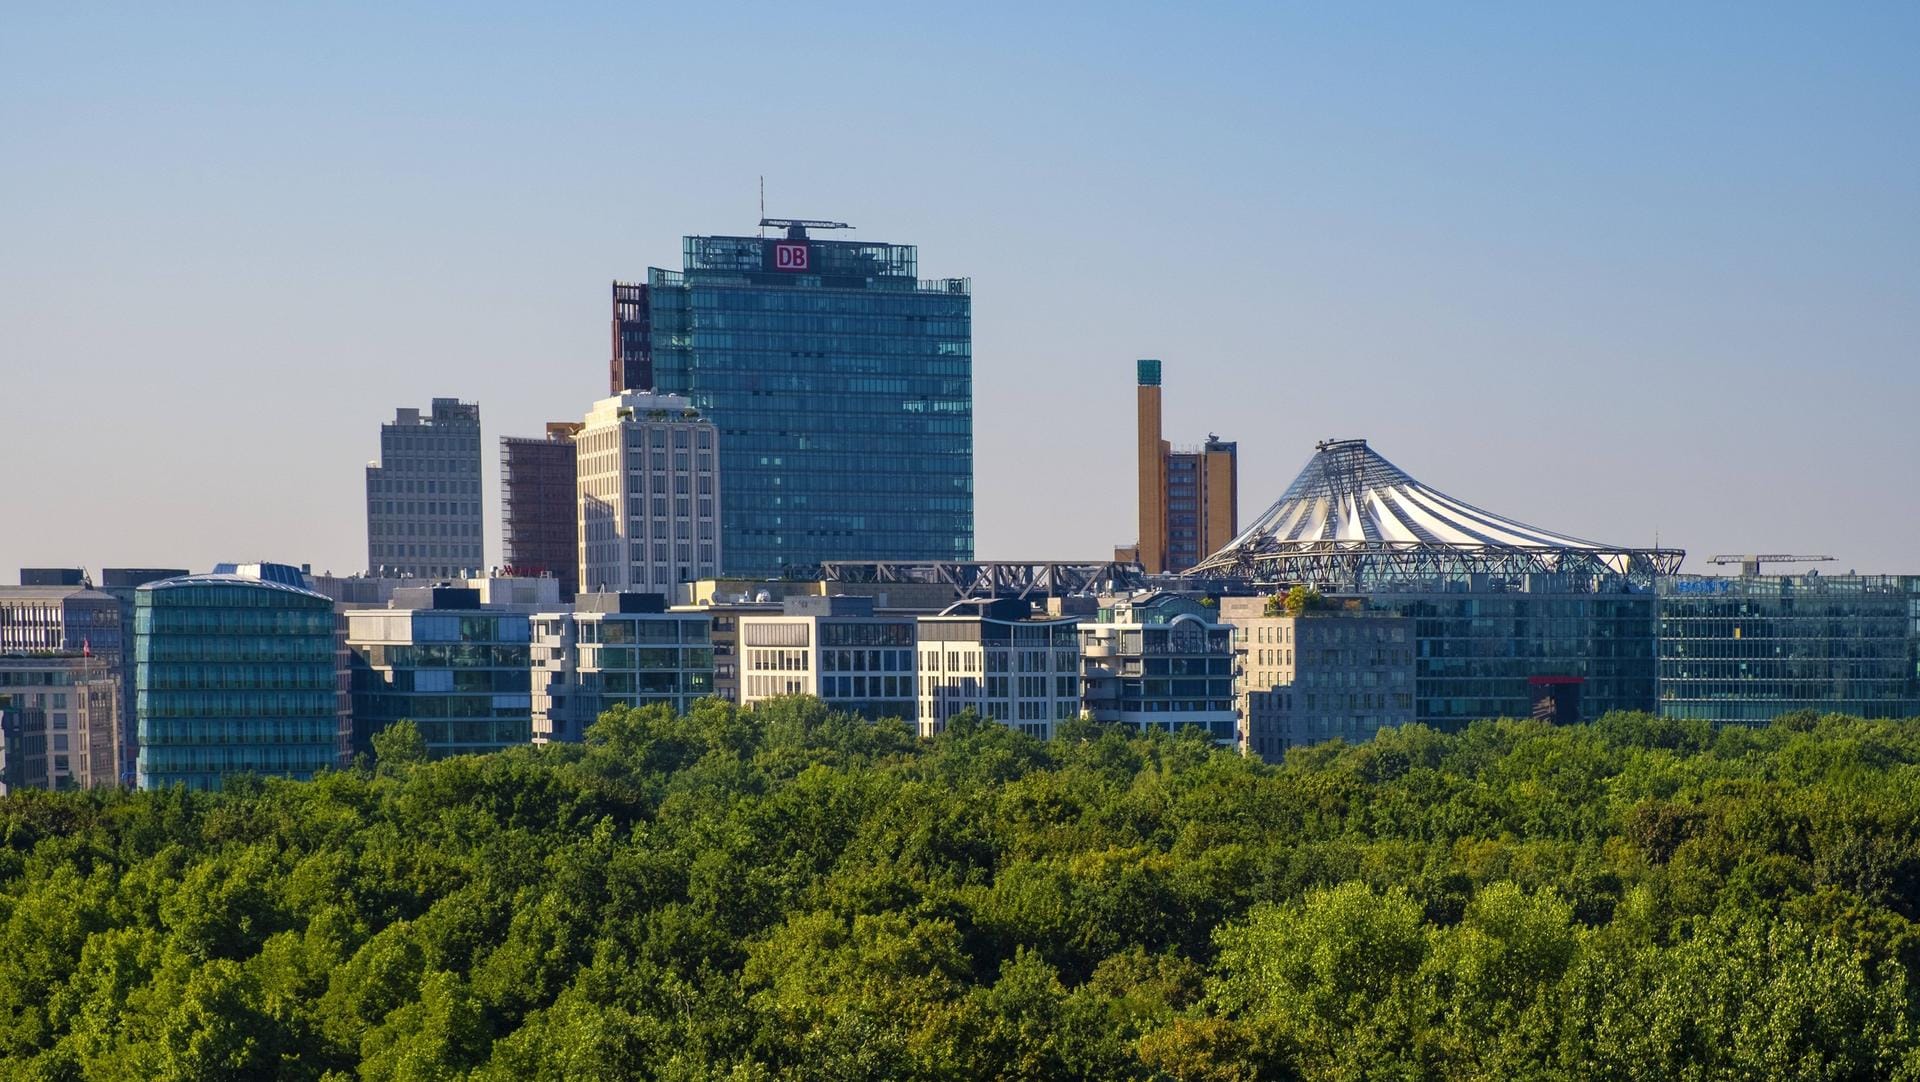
(790, 893)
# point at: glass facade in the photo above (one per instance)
(1160, 663)
(585, 663)
(1475, 652)
(461, 676)
(231, 676)
(843, 389)
(1741, 651)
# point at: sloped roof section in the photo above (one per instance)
(1349, 501)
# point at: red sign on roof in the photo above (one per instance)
(790, 257)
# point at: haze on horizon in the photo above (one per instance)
(1622, 272)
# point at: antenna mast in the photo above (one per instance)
(763, 206)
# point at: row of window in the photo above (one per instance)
(168, 620)
(444, 508)
(645, 658)
(239, 648)
(158, 732)
(865, 660)
(621, 631)
(204, 766)
(411, 464)
(866, 687)
(155, 703)
(410, 486)
(383, 553)
(442, 681)
(228, 677)
(1000, 687)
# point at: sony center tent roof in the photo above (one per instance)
(1352, 518)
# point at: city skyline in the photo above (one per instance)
(1631, 275)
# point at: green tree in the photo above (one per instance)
(1301, 600)
(399, 745)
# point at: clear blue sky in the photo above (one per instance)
(1613, 269)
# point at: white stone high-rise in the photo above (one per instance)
(423, 499)
(649, 494)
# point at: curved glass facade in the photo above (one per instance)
(843, 391)
(233, 676)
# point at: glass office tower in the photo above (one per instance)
(234, 675)
(843, 388)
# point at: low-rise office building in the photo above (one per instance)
(456, 668)
(1345, 673)
(615, 649)
(236, 672)
(725, 619)
(835, 648)
(60, 722)
(995, 659)
(1744, 650)
(1159, 661)
(58, 618)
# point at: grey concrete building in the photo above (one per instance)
(424, 495)
(1001, 661)
(60, 724)
(1317, 676)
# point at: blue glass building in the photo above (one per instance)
(1742, 651)
(234, 674)
(842, 386)
(438, 658)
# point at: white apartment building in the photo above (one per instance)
(835, 648)
(1160, 661)
(995, 660)
(649, 484)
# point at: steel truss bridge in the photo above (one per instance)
(973, 580)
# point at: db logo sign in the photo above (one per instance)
(790, 257)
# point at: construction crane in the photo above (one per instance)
(797, 227)
(1750, 565)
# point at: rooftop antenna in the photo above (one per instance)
(763, 206)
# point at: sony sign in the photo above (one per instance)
(789, 257)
